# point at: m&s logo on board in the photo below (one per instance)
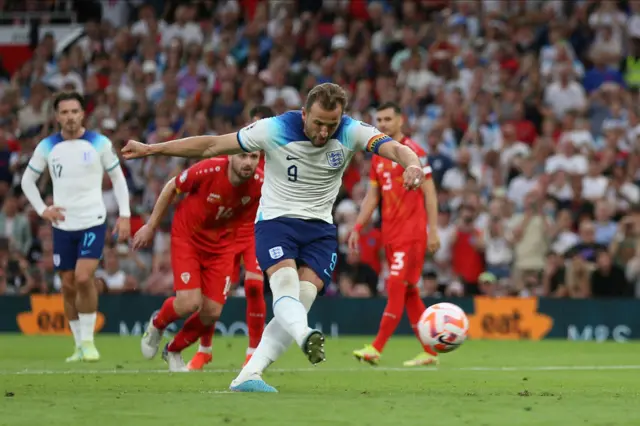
(508, 319)
(47, 317)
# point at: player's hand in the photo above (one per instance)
(433, 242)
(143, 237)
(135, 149)
(413, 177)
(354, 241)
(122, 229)
(53, 214)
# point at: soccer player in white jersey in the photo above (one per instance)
(306, 154)
(76, 159)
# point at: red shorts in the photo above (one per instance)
(406, 260)
(209, 272)
(246, 252)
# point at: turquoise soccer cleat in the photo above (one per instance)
(253, 386)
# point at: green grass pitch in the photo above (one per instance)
(550, 383)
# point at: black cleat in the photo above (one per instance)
(313, 347)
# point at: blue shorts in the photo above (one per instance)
(69, 246)
(309, 242)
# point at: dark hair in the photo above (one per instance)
(68, 96)
(328, 95)
(261, 111)
(390, 105)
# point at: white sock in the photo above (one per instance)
(87, 325)
(275, 340)
(75, 330)
(287, 309)
(205, 349)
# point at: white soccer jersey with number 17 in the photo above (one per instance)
(76, 168)
(300, 180)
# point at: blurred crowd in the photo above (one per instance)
(528, 110)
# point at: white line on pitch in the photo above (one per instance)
(335, 370)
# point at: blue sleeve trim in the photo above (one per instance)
(240, 143)
(34, 169)
(116, 164)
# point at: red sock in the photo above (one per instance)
(192, 329)
(167, 314)
(415, 308)
(256, 310)
(207, 336)
(392, 313)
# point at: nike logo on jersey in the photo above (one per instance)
(289, 158)
(85, 252)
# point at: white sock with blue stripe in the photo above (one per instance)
(275, 340)
(287, 309)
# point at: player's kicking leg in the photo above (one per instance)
(316, 248)
(275, 342)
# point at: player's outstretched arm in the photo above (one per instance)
(191, 147)
(403, 155)
(144, 236)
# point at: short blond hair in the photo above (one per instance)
(328, 95)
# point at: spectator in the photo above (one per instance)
(15, 277)
(608, 279)
(14, 225)
(565, 94)
(554, 276)
(605, 228)
(111, 277)
(587, 247)
(529, 234)
(467, 250)
(498, 250)
(522, 184)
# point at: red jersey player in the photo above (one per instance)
(253, 280)
(222, 194)
(404, 235)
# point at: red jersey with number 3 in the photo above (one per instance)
(404, 217)
(213, 210)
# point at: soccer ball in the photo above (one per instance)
(443, 327)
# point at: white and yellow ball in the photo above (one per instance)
(443, 326)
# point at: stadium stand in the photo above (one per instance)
(528, 110)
